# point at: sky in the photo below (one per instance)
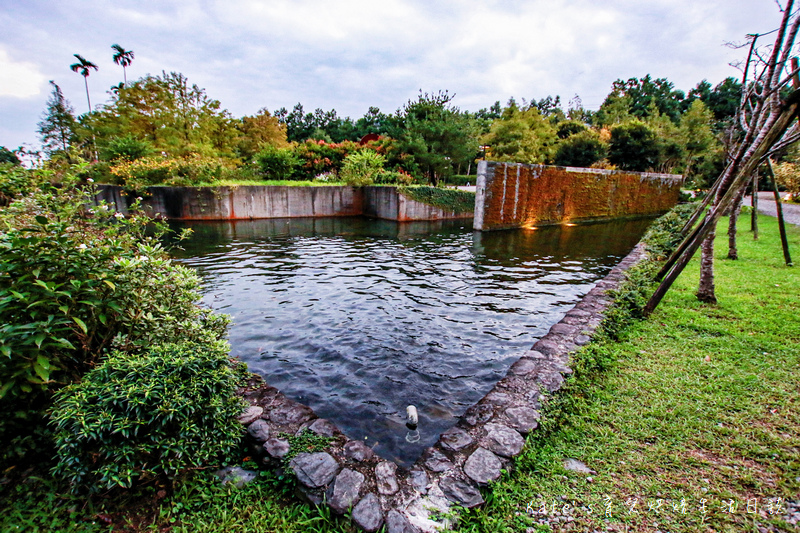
(349, 55)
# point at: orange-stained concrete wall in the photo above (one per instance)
(513, 195)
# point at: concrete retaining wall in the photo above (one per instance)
(513, 195)
(269, 201)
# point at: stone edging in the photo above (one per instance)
(469, 455)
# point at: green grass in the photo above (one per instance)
(290, 183)
(699, 403)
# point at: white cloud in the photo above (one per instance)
(19, 79)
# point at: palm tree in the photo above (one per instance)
(122, 57)
(82, 68)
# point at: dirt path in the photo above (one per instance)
(766, 206)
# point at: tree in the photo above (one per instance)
(57, 127)
(582, 149)
(83, 67)
(7, 156)
(521, 135)
(123, 58)
(698, 139)
(633, 146)
(768, 121)
(259, 131)
(172, 115)
(640, 93)
(435, 134)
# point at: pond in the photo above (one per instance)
(360, 318)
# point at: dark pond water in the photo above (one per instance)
(360, 318)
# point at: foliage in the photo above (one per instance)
(643, 97)
(305, 442)
(7, 156)
(179, 171)
(394, 177)
(582, 149)
(173, 116)
(75, 283)
(787, 174)
(435, 135)
(155, 414)
(362, 168)
(126, 147)
(15, 181)
(521, 135)
(697, 136)
(258, 132)
(278, 163)
(446, 199)
(634, 146)
(57, 129)
(317, 157)
(568, 128)
(723, 100)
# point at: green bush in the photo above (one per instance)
(75, 283)
(278, 163)
(126, 147)
(362, 168)
(152, 415)
(582, 149)
(15, 181)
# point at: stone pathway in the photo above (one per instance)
(766, 206)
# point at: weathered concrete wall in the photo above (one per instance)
(263, 202)
(512, 195)
(388, 203)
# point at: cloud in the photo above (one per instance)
(19, 79)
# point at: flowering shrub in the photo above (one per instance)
(158, 170)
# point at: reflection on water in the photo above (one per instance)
(360, 318)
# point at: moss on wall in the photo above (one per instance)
(517, 195)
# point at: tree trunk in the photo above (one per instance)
(705, 291)
(733, 253)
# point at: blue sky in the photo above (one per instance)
(352, 54)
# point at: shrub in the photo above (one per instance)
(362, 168)
(394, 177)
(181, 171)
(278, 163)
(15, 181)
(172, 408)
(127, 147)
(75, 283)
(317, 156)
(582, 149)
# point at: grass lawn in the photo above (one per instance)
(694, 426)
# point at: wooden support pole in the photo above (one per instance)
(740, 179)
(781, 223)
